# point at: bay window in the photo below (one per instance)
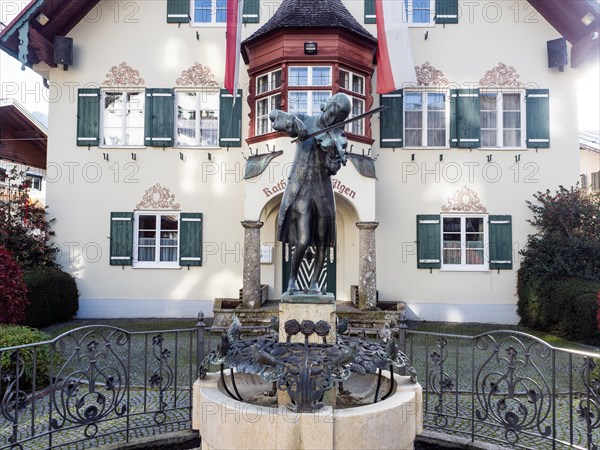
(123, 118)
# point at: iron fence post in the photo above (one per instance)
(200, 329)
(402, 327)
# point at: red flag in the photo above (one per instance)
(395, 67)
(233, 37)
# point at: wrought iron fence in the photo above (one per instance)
(507, 388)
(98, 385)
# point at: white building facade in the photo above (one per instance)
(147, 155)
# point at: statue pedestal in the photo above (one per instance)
(314, 307)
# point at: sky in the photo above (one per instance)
(27, 87)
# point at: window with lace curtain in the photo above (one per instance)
(425, 119)
(156, 241)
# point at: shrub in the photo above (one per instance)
(562, 306)
(24, 226)
(13, 295)
(14, 335)
(53, 296)
(598, 318)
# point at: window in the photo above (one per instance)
(353, 85)
(502, 120)
(595, 181)
(269, 84)
(197, 119)
(34, 182)
(2, 175)
(207, 12)
(419, 12)
(156, 239)
(123, 118)
(308, 101)
(424, 119)
(463, 242)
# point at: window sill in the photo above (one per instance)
(129, 147)
(465, 270)
(208, 25)
(425, 148)
(503, 149)
(193, 147)
(177, 267)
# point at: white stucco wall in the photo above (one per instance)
(86, 188)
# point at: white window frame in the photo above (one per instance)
(213, 22)
(271, 81)
(464, 267)
(424, 123)
(291, 89)
(199, 93)
(269, 99)
(354, 96)
(33, 179)
(156, 263)
(408, 11)
(500, 118)
(309, 77)
(123, 92)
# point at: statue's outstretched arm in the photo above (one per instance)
(290, 123)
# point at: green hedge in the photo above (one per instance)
(563, 306)
(13, 336)
(53, 296)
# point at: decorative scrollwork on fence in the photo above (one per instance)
(510, 388)
(91, 384)
(588, 409)
(161, 377)
(438, 380)
(14, 398)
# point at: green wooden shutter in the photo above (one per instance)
(178, 11)
(159, 117)
(230, 120)
(251, 12)
(500, 230)
(465, 131)
(190, 239)
(391, 119)
(446, 11)
(370, 11)
(121, 238)
(88, 117)
(428, 242)
(537, 103)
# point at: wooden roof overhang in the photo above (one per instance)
(22, 138)
(578, 21)
(30, 42)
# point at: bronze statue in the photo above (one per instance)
(307, 212)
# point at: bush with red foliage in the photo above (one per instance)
(13, 293)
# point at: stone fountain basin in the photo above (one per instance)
(225, 423)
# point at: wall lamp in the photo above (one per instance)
(42, 19)
(310, 48)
